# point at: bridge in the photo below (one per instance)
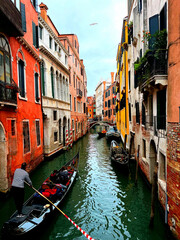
(101, 123)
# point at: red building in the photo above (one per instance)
(110, 101)
(91, 105)
(21, 130)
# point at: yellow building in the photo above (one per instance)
(122, 113)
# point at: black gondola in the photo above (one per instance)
(118, 154)
(102, 133)
(36, 209)
(113, 134)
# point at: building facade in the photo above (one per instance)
(21, 120)
(77, 87)
(55, 85)
(110, 101)
(91, 105)
(99, 93)
(152, 100)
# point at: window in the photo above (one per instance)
(75, 62)
(42, 78)
(26, 136)
(23, 17)
(52, 81)
(161, 109)
(75, 104)
(68, 49)
(34, 3)
(54, 115)
(109, 103)
(35, 35)
(70, 102)
(38, 132)
(55, 46)
(13, 127)
(162, 167)
(129, 111)
(66, 60)
(74, 80)
(5, 61)
(40, 32)
(37, 98)
(50, 42)
(55, 136)
(75, 43)
(137, 113)
(163, 17)
(143, 115)
(129, 77)
(144, 148)
(153, 28)
(21, 78)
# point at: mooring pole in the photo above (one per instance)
(137, 164)
(153, 195)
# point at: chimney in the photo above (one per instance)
(112, 77)
(43, 9)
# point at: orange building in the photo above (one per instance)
(21, 130)
(91, 105)
(110, 101)
(77, 86)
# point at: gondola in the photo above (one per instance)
(102, 133)
(118, 154)
(36, 209)
(113, 134)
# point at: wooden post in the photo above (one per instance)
(153, 195)
(137, 164)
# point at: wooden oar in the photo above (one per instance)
(82, 231)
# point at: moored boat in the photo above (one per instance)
(118, 154)
(113, 134)
(36, 210)
(102, 133)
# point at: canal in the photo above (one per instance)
(104, 201)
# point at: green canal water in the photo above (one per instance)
(104, 201)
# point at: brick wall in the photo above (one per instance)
(173, 177)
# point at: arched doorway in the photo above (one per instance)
(64, 131)
(152, 159)
(3, 161)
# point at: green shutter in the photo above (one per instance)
(23, 17)
(34, 33)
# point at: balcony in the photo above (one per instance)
(10, 19)
(8, 94)
(79, 93)
(157, 124)
(152, 70)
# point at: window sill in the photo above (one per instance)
(22, 98)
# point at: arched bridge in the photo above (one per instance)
(101, 123)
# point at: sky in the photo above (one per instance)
(97, 43)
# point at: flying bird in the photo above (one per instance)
(93, 24)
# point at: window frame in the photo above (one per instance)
(38, 137)
(28, 137)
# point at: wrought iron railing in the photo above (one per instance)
(8, 92)
(156, 64)
(79, 93)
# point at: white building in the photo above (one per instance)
(55, 85)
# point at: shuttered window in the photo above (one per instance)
(35, 35)
(37, 87)
(38, 132)
(137, 113)
(21, 78)
(153, 28)
(23, 17)
(26, 137)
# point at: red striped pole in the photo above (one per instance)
(82, 231)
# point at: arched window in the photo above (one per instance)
(5, 61)
(52, 81)
(43, 77)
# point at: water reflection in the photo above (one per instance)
(104, 201)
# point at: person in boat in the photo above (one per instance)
(20, 176)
